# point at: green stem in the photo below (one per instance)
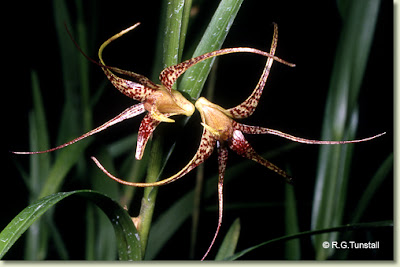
(172, 49)
(150, 193)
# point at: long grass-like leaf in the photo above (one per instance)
(292, 249)
(194, 78)
(65, 160)
(340, 121)
(36, 242)
(46, 172)
(70, 66)
(39, 139)
(351, 227)
(84, 83)
(173, 33)
(104, 239)
(372, 187)
(230, 241)
(125, 231)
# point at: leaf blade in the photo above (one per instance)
(194, 78)
(341, 118)
(228, 246)
(129, 241)
(343, 228)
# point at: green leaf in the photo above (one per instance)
(39, 140)
(173, 32)
(349, 227)
(83, 69)
(70, 61)
(230, 241)
(66, 159)
(372, 187)
(126, 234)
(194, 78)
(101, 237)
(341, 118)
(292, 249)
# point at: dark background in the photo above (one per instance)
(293, 101)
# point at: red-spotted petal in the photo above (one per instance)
(222, 160)
(248, 129)
(129, 88)
(239, 144)
(138, 77)
(126, 114)
(147, 127)
(138, 91)
(170, 74)
(247, 108)
(205, 149)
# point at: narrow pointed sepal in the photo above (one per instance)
(239, 144)
(170, 74)
(146, 129)
(222, 162)
(249, 129)
(248, 107)
(205, 149)
(138, 77)
(126, 114)
(136, 91)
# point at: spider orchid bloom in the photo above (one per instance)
(159, 100)
(221, 130)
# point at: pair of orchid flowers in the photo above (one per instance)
(219, 126)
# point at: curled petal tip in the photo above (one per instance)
(96, 161)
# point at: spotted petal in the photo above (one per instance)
(138, 77)
(247, 108)
(129, 88)
(239, 144)
(248, 129)
(205, 149)
(147, 127)
(170, 74)
(222, 161)
(138, 91)
(126, 114)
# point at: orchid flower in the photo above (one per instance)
(159, 100)
(221, 129)
(154, 98)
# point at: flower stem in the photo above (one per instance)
(150, 193)
(171, 51)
